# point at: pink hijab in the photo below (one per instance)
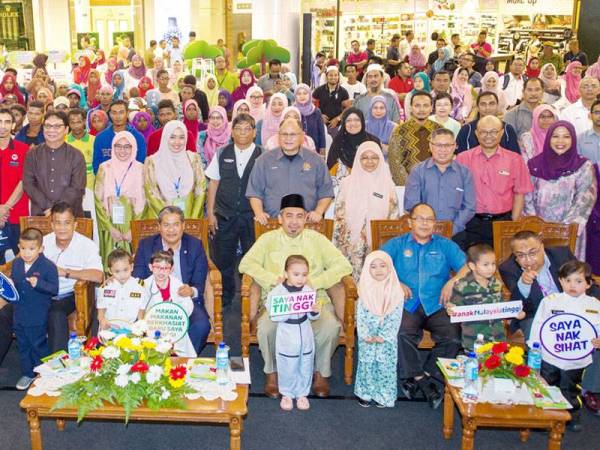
(539, 134)
(498, 90)
(550, 84)
(237, 104)
(462, 90)
(572, 82)
(259, 112)
(216, 137)
(594, 70)
(357, 193)
(270, 124)
(127, 175)
(380, 298)
(273, 141)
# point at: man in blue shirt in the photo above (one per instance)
(32, 133)
(423, 262)
(103, 142)
(588, 142)
(443, 184)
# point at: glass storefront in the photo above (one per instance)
(16, 25)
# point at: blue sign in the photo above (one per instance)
(7, 289)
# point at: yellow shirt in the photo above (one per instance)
(86, 146)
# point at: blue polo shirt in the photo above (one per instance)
(424, 268)
(21, 136)
(103, 146)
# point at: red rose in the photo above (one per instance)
(91, 344)
(96, 364)
(500, 347)
(522, 371)
(178, 372)
(140, 367)
(492, 362)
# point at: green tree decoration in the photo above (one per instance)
(261, 51)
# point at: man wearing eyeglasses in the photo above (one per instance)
(54, 171)
(230, 216)
(467, 61)
(501, 181)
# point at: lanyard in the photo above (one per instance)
(177, 185)
(118, 186)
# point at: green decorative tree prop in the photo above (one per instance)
(201, 49)
(261, 51)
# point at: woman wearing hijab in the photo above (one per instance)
(312, 120)
(552, 85)
(174, 176)
(111, 68)
(290, 83)
(94, 85)
(532, 142)
(594, 71)
(416, 58)
(9, 85)
(247, 80)
(592, 255)
(82, 73)
(367, 193)
(158, 65)
(144, 86)
(191, 116)
(378, 317)
(564, 183)
(572, 79)
(118, 85)
(225, 101)
(269, 126)
(420, 83)
(216, 135)
(100, 60)
(45, 96)
(142, 122)
(291, 112)
(256, 100)
(490, 82)
(240, 107)
(98, 121)
(440, 62)
(378, 122)
(462, 95)
(353, 132)
(135, 73)
(533, 68)
(119, 194)
(211, 89)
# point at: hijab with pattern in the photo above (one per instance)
(216, 137)
(380, 298)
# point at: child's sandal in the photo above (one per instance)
(302, 403)
(287, 404)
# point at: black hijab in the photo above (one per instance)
(344, 144)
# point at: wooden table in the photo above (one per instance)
(522, 417)
(198, 411)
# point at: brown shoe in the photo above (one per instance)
(271, 388)
(320, 385)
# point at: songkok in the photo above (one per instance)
(375, 67)
(61, 101)
(292, 201)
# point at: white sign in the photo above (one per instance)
(486, 311)
(294, 303)
(169, 318)
(534, 7)
(568, 336)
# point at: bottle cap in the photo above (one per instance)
(222, 345)
(471, 355)
(73, 335)
(536, 345)
(156, 334)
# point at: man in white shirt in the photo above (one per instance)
(354, 87)
(405, 44)
(176, 52)
(230, 216)
(512, 82)
(578, 113)
(77, 258)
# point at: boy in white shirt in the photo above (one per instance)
(575, 278)
(121, 300)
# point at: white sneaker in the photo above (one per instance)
(24, 383)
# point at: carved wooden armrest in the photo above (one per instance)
(349, 305)
(84, 306)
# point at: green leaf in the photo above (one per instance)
(201, 49)
(242, 63)
(248, 45)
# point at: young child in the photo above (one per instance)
(36, 280)
(575, 278)
(294, 341)
(121, 301)
(378, 317)
(479, 286)
(162, 286)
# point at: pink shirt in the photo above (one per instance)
(497, 179)
(486, 46)
(354, 58)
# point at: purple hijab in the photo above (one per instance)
(149, 129)
(383, 127)
(227, 95)
(549, 165)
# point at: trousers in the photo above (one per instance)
(33, 346)
(199, 327)
(58, 325)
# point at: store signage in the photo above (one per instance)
(242, 7)
(532, 7)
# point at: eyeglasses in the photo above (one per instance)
(256, 97)
(161, 268)
(243, 130)
(123, 147)
(48, 126)
(424, 220)
(529, 255)
(443, 146)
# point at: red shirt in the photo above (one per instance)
(166, 292)
(154, 142)
(401, 86)
(497, 178)
(12, 160)
(354, 58)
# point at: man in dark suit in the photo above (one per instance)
(190, 266)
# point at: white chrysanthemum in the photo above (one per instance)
(139, 328)
(106, 335)
(122, 380)
(164, 346)
(111, 352)
(85, 361)
(124, 369)
(154, 374)
(135, 377)
(165, 395)
(136, 341)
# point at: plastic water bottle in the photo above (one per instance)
(156, 335)
(74, 349)
(471, 375)
(534, 357)
(478, 343)
(222, 364)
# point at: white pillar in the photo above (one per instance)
(279, 20)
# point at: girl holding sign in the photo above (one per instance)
(162, 286)
(294, 341)
(378, 317)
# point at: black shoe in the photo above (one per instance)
(379, 405)
(432, 394)
(363, 403)
(409, 388)
(574, 425)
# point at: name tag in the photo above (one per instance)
(118, 214)
(460, 189)
(591, 311)
(504, 172)
(557, 311)
(109, 293)
(227, 160)
(135, 295)
(106, 152)
(434, 253)
(13, 163)
(377, 194)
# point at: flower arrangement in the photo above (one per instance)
(127, 370)
(501, 360)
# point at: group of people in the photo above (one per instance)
(471, 147)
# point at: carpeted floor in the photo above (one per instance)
(334, 423)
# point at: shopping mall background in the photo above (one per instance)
(299, 25)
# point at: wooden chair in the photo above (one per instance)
(84, 291)
(213, 292)
(384, 230)
(346, 338)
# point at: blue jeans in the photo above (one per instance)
(199, 326)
